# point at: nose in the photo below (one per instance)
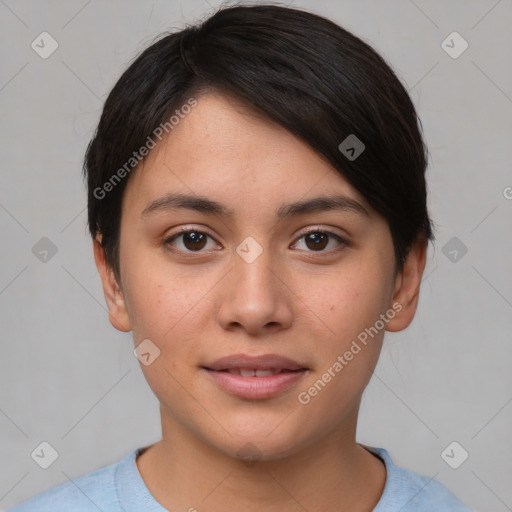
(254, 297)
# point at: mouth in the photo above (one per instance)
(254, 372)
(255, 377)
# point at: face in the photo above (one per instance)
(230, 263)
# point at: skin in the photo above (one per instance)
(293, 300)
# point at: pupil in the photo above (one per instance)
(193, 240)
(319, 240)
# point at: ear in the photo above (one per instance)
(407, 286)
(118, 314)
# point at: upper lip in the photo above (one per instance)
(261, 362)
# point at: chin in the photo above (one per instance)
(254, 444)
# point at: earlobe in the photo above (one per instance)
(118, 314)
(407, 286)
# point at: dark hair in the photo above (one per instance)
(296, 68)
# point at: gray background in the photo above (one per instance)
(69, 378)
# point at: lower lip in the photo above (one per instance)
(256, 388)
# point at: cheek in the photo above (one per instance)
(170, 313)
(166, 311)
(352, 301)
(348, 352)
(162, 300)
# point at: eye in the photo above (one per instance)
(191, 240)
(318, 240)
(194, 240)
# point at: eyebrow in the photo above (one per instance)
(172, 201)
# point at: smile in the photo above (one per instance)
(248, 372)
(255, 377)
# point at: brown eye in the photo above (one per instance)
(317, 241)
(194, 240)
(189, 241)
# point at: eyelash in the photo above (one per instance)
(343, 243)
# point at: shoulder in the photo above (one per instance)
(408, 491)
(91, 492)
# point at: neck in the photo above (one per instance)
(334, 474)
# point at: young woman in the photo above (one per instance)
(257, 205)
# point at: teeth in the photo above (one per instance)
(248, 372)
(265, 373)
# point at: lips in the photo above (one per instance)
(253, 372)
(255, 377)
(266, 362)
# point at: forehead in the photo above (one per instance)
(224, 150)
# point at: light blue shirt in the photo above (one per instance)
(120, 488)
